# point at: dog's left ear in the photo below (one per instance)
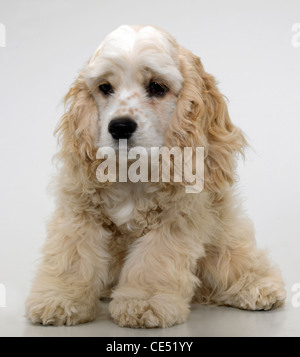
(77, 128)
(201, 119)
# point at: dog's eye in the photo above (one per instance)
(106, 89)
(157, 89)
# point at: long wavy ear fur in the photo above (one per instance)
(77, 132)
(77, 128)
(201, 119)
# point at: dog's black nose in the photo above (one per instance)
(122, 128)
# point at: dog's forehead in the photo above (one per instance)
(131, 51)
(131, 40)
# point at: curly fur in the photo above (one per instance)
(150, 247)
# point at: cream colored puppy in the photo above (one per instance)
(151, 247)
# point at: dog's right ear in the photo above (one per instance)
(77, 129)
(201, 119)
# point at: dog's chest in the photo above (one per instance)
(132, 207)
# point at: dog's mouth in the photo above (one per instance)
(133, 150)
(124, 146)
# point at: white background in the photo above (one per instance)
(246, 45)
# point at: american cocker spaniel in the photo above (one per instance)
(152, 247)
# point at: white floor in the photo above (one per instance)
(203, 321)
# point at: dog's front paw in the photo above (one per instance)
(265, 297)
(157, 311)
(59, 311)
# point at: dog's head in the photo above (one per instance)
(140, 85)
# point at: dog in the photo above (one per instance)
(151, 247)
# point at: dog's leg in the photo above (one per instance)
(157, 281)
(67, 287)
(235, 272)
